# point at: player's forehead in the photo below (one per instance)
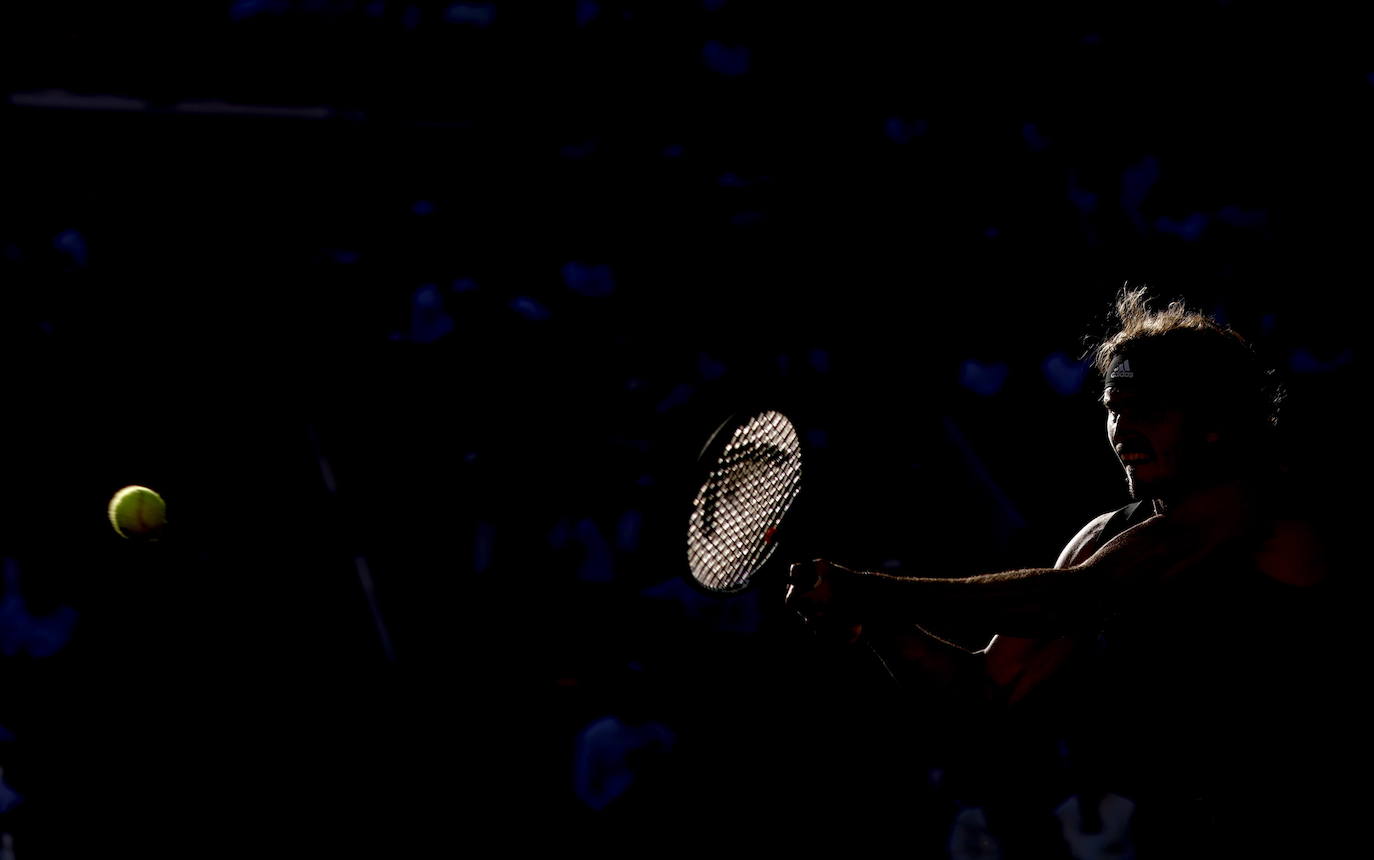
(1134, 394)
(1158, 375)
(1112, 394)
(1140, 397)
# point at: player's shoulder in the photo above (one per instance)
(1086, 542)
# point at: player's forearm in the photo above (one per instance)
(1033, 602)
(1036, 602)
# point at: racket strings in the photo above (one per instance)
(742, 502)
(732, 546)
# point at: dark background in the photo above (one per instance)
(500, 268)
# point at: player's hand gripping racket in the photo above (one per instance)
(755, 473)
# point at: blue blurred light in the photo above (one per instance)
(24, 633)
(1065, 375)
(741, 613)
(580, 150)
(728, 60)
(674, 150)
(463, 285)
(343, 256)
(1083, 200)
(599, 564)
(901, 130)
(9, 798)
(709, 368)
(428, 296)
(1136, 182)
(679, 396)
(628, 529)
(588, 279)
(428, 320)
(560, 534)
(530, 309)
(475, 14)
(819, 360)
(410, 19)
(1035, 141)
(1189, 229)
(735, 614)
(422, 207)
(73, 244)
(817, 438)
(587, 10)
(610, 756)
(483, 546)
(1303, 360)
(746, 219)
(984, 380)
(1237, 216)
(241, 9)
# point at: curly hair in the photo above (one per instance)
(1214, 368)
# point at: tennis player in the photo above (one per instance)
(1180, 643)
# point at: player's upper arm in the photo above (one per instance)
(1085, 543)
(1019, 663)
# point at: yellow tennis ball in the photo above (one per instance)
(138, 513)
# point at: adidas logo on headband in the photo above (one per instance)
(1121, 370)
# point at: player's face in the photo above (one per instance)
(1149, 439)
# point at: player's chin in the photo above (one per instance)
(1140, 482)
(1149, 482)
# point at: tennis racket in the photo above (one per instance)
(755, 474)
